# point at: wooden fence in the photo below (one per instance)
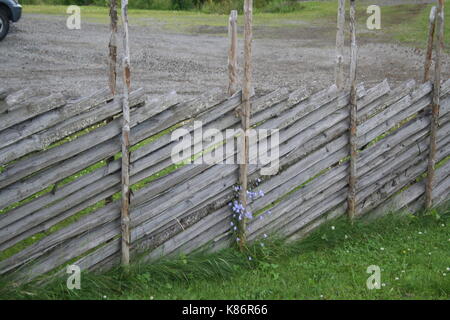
(54, 178)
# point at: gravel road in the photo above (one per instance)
(41, 52)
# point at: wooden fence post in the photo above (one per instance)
(431, 29)
(435, 107)
(232, 53)
(125, 218)
(245, 116)
(353, 124)
(113, 46)
(112, 61)
(339, 68)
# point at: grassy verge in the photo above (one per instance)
(412, 252)
(310, 12)
(404, 23)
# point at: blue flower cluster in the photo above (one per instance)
(240, 212)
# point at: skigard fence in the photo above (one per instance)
(60, 199)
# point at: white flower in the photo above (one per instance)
(444, 274)
(383, 284)
(381, 249)
(332, 227)
(448, 269)
(396, 278)
(104, 297)
(151, 297)
(420, 232)
(345, 237)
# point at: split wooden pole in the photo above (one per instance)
(112, 62)
(435, 105)
(113, 46)
(429, 54)
(125, 217)
(245, 116)
(340, 39)
(232, 53)
(353, 119)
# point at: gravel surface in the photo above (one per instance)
(41, 52)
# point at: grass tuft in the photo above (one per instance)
(331, 263)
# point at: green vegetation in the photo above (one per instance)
(409, 23)
(404, 23)
(331, 263)
(210, 6)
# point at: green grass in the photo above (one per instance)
(409, 23)
(404, 23)
(182, 20)
(331, 263)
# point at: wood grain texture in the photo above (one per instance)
(232, 53)
(340, 39)
(429, 53)
(435, 106)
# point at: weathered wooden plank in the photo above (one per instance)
(25, 167)
(70, 250)
(99, 218)
(306, 229)
(333, 201)
(23, 98)
(44, 219)
(302, 205)
(21, 189)
(141, 215)
(109, 214)
(105, 212)
(26, 138)
(301, 201)
(60, 193)
(205, 118)
(391, 97)
(38, 107)
(80, 195)
(382, 172)
(391, 186)
(410, 195)
(397, 112)
(49, 119)
(403, 138)
(221, 216)
(4, 91)
(161, 158)
(403, 173)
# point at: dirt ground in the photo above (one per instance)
(41, 52)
